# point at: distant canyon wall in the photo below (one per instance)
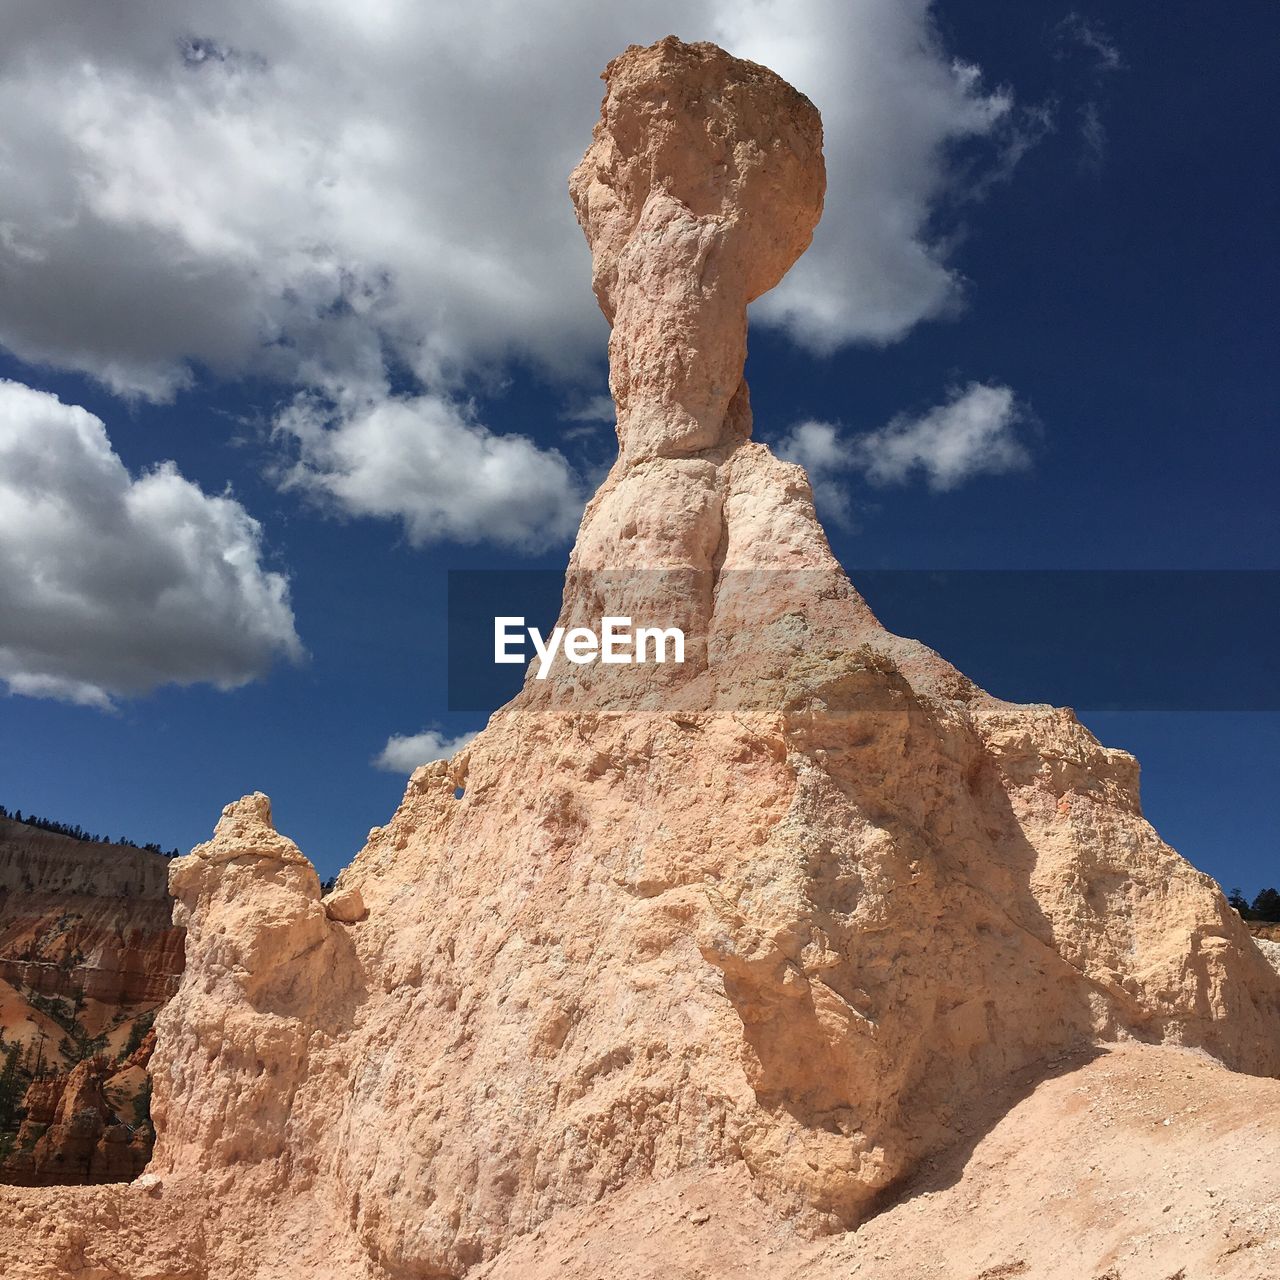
(88, 955)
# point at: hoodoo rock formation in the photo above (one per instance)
(702, 185)
(71, 1133)
(691, 974)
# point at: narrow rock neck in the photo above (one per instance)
(679, 341)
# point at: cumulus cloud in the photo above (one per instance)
(893, 104)
(404, 753)
(112, 584)
(328, 195)
(425, 461)
(306, 190)
(972, 434)
(975, 432)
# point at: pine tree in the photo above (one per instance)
(10, 1087)
(142, 1105)
(1266, 906)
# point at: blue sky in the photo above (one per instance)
(330, 272)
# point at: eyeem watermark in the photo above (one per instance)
(616, 644)
(1107, 640)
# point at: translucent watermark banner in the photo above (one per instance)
(1161, 640)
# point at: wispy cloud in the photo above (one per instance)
(1088, 36)
(975, 432)
(1092, 36)
(405, 752)
(595, 409)
(588, 417)
(1093, 134)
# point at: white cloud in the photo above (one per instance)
(1091, 36)
(404, 753)
(594, 409)
(893, 103)
(110, 584)
(426, 462)
(818, 448)
(974, 433)
(303, 189)
(320, 192)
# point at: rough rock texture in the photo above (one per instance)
(1140, 1165)
(277, 981)
(702, 185)
(71, 1134)
(344, 905)
(784, 928)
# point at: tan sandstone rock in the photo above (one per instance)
(785, 927)
(345, 906)
(702, 185)
(276, 979)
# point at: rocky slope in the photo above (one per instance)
(88, 954)
(1133, 1164)
(691, 970)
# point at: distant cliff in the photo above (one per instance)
(88, 953)
(40, 861)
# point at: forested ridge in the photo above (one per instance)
(76, 832)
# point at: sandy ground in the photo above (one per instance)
(1143, 1164)
(23, 1023)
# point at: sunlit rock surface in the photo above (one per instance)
(689, 975)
